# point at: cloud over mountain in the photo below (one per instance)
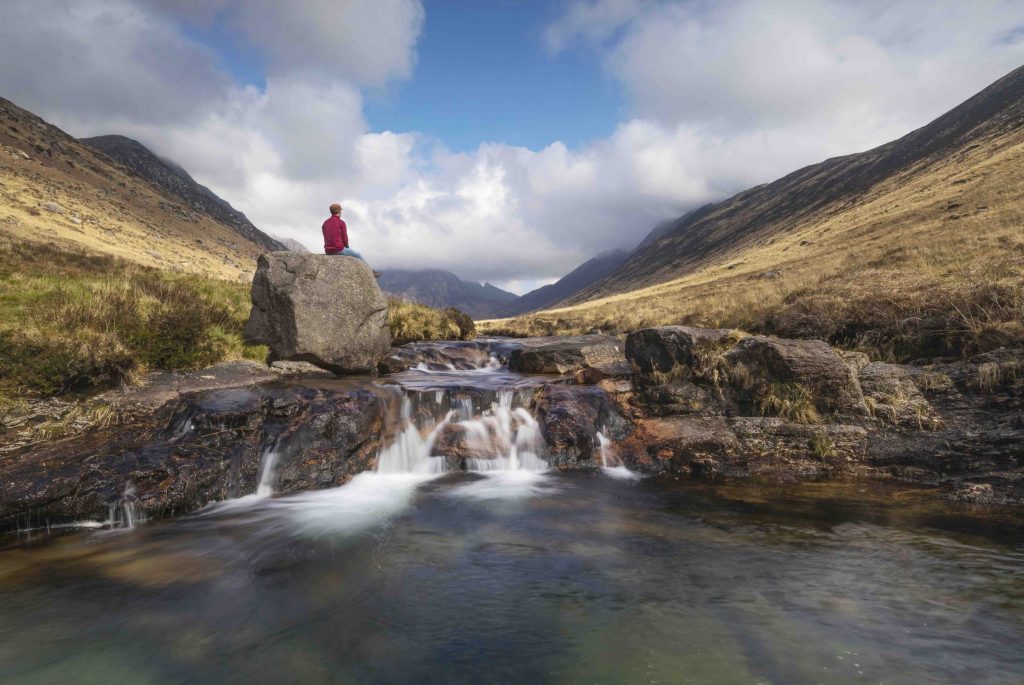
(721, 96)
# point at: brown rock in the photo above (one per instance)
(893, 397)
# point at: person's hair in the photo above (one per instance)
(335, 208)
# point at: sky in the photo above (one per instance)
(509, 140)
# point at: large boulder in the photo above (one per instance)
(566, 355)
(765, 365)
(892, 395)
(668, 348)
(326, 310)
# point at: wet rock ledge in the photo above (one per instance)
(671, 401)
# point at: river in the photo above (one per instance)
(510, 572)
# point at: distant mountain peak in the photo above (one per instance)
(439, 288)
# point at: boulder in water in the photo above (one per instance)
(322, 309)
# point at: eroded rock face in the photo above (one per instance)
(567, 355)
(210, 450)
(810, 364)
(571, 416)
(682, 445)
(322, 309)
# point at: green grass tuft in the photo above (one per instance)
(73, 322)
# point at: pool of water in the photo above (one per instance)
(527, 577)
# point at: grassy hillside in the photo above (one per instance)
(913, 249)
(56, 189)
(72, 321)
(103, 275)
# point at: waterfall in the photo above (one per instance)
(411, 450)
(610, 463)
(502, 438)
(126, 512)
(508, 438)
(268, 469)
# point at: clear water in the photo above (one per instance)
(524, 576)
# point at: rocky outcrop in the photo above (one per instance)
(892, 396)
(326, 310)
(795, 367)
(954, 425)
(681, 352)
(567, 355)
(209, 448)
(571, 417)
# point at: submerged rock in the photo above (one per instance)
(437, 356)
(322, 309)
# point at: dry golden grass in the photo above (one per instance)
(105, 207)
(929, 262)
(411, 321)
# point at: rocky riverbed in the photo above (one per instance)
(674, 402)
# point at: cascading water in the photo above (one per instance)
(506, 438)
(610, 463)
(268, 469)
(411, 450)
(126, 512)
(501, 438)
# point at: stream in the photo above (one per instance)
(508, 571)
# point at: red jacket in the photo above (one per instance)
(335, 235)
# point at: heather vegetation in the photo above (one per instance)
(936, 298)
(72, 321)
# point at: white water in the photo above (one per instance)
(126, 512)
(611, 465)
(268, 469)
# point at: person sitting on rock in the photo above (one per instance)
(336, 236)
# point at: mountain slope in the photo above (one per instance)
(814, 194)
(912, 249)
(177, 181)
(292, 244)
(57, 190)
(438, 288)
(582, 276)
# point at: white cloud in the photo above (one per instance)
(366, 42)
(723, 96)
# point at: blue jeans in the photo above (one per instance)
(349, 252)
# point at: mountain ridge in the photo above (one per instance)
(173, 178)
(583, 275)
(676, 248)
(440, 288)
(55, 189)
